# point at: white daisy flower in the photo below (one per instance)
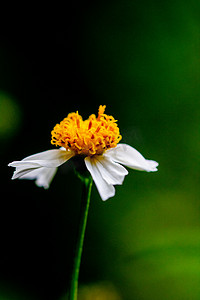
(96, 141)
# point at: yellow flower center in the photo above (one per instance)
(92, 136)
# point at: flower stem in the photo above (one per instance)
(85, 201)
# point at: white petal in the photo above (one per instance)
(36, 163)
(131, 158)
(112, 172)
(153, 165)
(23, 170)
(105, 190)
(43, 176)
(50, 158)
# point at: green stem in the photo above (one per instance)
(85, 201)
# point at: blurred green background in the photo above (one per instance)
(141, 59)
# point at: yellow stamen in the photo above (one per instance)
(89, 137)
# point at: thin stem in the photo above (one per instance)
(85, 201)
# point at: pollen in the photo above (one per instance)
(87, 137)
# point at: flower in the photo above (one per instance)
(96, 142)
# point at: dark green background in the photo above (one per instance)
(141, 59)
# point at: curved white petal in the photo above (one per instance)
(22, 170)
(41, 166)
(43, 176)
(112, 172)
(130, 157)
(105, 189)
(50, 158)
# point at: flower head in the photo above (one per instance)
(96, 142)
(90, 137)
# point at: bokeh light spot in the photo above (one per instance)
(10, 116)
